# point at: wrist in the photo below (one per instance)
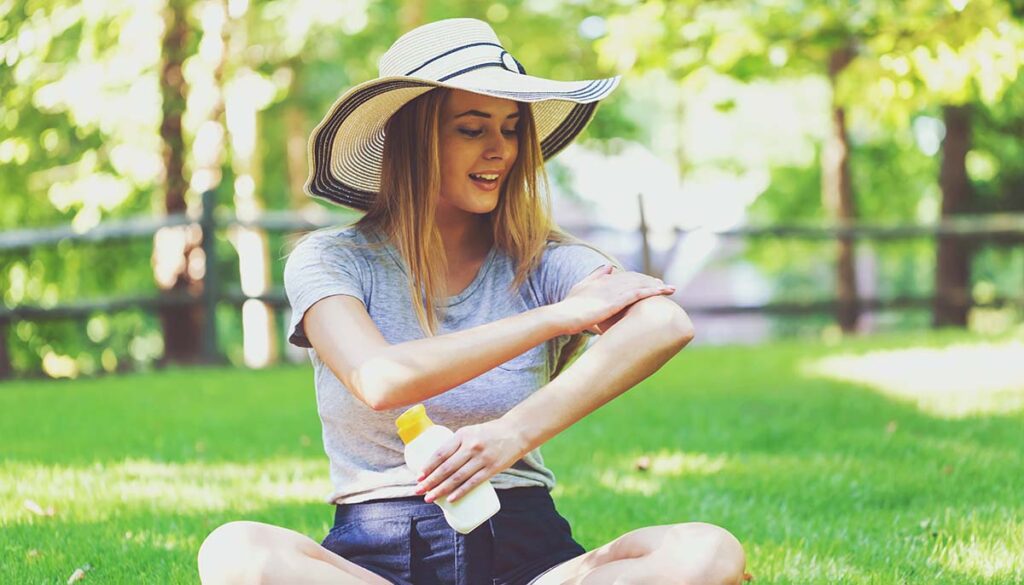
(518, 432)
(556, 320)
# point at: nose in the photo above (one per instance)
(498, 148)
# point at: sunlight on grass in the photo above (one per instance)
(988, 552)
(843, 487)
(950, 382)
(99, 491)
(797, 565)
(646, 474)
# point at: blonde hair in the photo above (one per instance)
(403, 212)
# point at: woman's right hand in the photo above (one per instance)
(603, 294)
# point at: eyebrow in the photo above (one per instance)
(484, 114)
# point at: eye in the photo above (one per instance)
(474, 133)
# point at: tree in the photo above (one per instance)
(178, 261)
(885, 63)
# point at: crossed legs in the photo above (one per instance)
(693, 553)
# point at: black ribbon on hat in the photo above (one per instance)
(518, 66)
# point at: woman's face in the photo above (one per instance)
(479, 143)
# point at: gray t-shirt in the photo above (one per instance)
(365, 452)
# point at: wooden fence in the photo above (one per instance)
(1005, 229)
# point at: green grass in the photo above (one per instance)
(824, 481)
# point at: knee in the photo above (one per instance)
(233, 554)
(707, 555)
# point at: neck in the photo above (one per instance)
(465, 236)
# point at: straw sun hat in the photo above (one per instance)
(346, 148)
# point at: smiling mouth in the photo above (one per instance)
(485, 177)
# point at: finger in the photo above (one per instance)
(450, 466)
(660, 290)
(440, 456)
(636, 279)
(629, 297)
(455, 480)
(467, 486)
(599, 272)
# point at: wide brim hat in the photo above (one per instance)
(346, 149)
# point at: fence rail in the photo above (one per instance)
(1003, 228)
(992, 226)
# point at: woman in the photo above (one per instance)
(456, 290)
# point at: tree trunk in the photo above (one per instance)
(296, 138)
(177, 256)
(6, 370)
(952, 268)
(837, 197)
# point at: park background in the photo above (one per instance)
(836, 189)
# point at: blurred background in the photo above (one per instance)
(796, 169)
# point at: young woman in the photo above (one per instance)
(456, 290)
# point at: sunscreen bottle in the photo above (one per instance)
(422, 439)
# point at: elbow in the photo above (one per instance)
(685, 332)
(678, 329)
(372, 392)
(667, 318)
(375, 401)
(378, 385)
(682, 327)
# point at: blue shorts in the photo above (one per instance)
(407, 541)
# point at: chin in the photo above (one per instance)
(482, 205)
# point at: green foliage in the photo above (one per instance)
(80, 117)
(792, 196)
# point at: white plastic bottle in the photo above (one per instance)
(422, 439)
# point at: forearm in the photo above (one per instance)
(644, 339)
(410, 372)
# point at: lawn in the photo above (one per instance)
(887, 460)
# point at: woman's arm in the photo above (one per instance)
(386, 376)
(650, 332)
(648, 335)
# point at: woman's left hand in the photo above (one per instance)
(472, 456)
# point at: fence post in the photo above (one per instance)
(645, 248)
(6, 370)
(211, 279)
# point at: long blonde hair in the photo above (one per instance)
(404, 210)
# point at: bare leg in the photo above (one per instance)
(246, 553)
(681, 554)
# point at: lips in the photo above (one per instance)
(485, 185)
(487, 177)
(486, 180)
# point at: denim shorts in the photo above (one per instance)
(408, 542)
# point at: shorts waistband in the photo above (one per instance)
(414, 506)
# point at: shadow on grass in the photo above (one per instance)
(824, 481)
(135, 544)
(197, 414)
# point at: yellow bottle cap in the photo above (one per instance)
(413, 422)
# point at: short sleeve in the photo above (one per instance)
(319, 267)
(564, 265)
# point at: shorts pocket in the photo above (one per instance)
(525, 541)
(379, 544)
